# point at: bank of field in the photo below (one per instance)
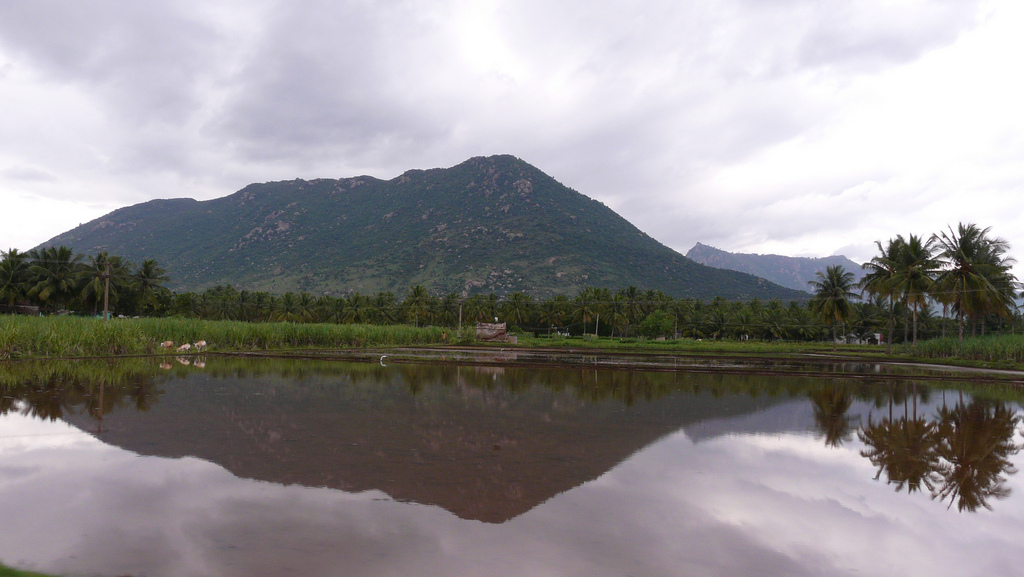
(33, 337)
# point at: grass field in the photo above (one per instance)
(66, 337)
(6, 571)
(75, 337)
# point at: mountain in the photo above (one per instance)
(490, 224)
(789, 271)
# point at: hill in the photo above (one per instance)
(788, 271)
(490, 224)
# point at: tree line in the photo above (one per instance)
(966, 272)
(56, 279)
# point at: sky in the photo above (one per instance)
(796, 127)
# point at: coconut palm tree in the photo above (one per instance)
(54, 275)
(417, 305)
(518, 309)
(14, 275)
(586, 306)
(833, 291)
(976, 276)
(147, 282)
(94, 279)
(552, 311)
(880, 281)
(915, 274)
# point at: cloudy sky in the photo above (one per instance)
(797, 127)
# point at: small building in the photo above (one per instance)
(494, 332)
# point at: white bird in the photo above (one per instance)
(382, 357)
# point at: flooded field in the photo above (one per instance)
(457, 463)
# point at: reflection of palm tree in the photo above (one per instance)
(905, 449)
(975, 441)
(830, 407)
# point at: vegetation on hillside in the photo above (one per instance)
(493, 224)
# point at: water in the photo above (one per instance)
(330, 468)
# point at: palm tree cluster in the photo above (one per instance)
(967, 271)
(623, 313)
(56, 279)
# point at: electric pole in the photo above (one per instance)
(106, 295)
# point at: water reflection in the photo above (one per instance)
(831, 404)
(242, 468)
(960, 455)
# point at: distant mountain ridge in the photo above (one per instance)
(789, 271)
(490, 224)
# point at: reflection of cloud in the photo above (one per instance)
(742, 505)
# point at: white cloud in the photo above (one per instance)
(789, 126)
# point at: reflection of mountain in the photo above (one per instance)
(488, 453)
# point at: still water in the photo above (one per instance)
(232, 467)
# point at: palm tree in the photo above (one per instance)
(14, 275)
(54, 275)
(633, 308)
(518, 308)
(586, 306)
(94, 279)
(915, 272)
(147, 283)
(832, 294)
(288, 309)
(385, 307)
(881, 279)
(618, 314)
(552, 311)
(449, 309)
(417, 305)
(976, 278)
(773, 320)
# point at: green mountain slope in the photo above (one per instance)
(788, 271)
(489, 224)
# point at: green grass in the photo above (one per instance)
(68, 337)
(1004, 351)
(6, 571)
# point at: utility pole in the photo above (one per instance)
(106, 295)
